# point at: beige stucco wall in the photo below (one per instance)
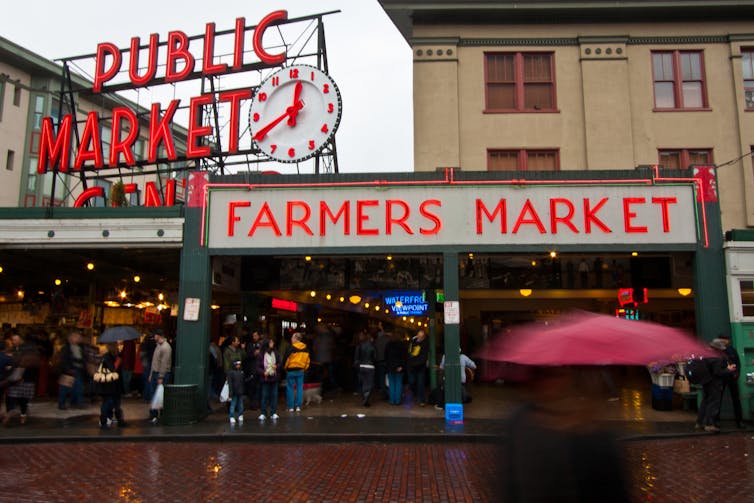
(604, 118)
(12, 131)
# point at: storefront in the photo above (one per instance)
(471, 237)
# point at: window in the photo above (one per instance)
(683, 158)
(746, 287)
(17, 96)
(9, 160)
(679, 79)
(520, 81)
(747, 62)
(523, 160)
(2, 99)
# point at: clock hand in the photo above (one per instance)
(296, 96)
(288, 112)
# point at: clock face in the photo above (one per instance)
(294, 113)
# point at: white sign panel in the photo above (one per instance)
(451, 215)
(191, 309)
(451, 312)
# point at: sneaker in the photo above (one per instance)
(232, 421)
(275, 416)
(290, 410)
(154, 420)
(712, 428)
(261, 417)
(22, 418)
(298, 409)
(240, 419)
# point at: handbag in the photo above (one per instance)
(66, 380)
(158, 398)
(104, 374)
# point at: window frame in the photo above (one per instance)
(685, 158)
(10, 160)
(747, 52)
(519, 82)
(678, 81)
(522, 156)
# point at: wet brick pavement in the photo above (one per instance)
(697, 468)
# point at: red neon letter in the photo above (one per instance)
(100, 74)
(344, 211)
(362, 218)
(196, 131)
(90, 148)
(664, 202)
(629, 215)
(269, 19)
(209, 68)
(589, 217)
(533, 219)
(238, 43)
(178, 50)
(270, 222)
(51, 148)
(234, 97)
(555, 219)
(159, 132)
(116, 145)
(232, 218)
(170, 192)
(430, 216)
(401, 221)
(151, 195)
(87, 195)
(501, 208)
(133, 64)
(290, 222)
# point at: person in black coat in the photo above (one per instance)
(712, 390)
(731, 381)
(365, 358)
(109, 384)
(395, 361)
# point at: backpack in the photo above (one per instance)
(697, 371)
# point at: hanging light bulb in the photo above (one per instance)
(90, 266)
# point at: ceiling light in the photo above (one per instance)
(634, 254)
(389, 257)
(90, 266)
(58, 282)
(161, 297)
(525, 292)
(328, 296)
(354, 299)
(312, 294)
(137, 279)
(553, 254)
(308, 258)
(534, 263)
(366, 305)
(685, 292)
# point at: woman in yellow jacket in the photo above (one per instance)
(296, 363)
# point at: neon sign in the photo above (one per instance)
(406, 303)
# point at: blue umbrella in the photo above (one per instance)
(119, 333)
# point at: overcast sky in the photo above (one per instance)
(368, 58)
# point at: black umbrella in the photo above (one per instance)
(119, 333)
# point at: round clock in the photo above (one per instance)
(294, 113)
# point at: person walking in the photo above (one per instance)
(72, 370)
(109, 385)
(712, 387)
(236, 392)
(365, 358)
(296, 363)
(380, 343)
(730, 382)
(162, 361)
(395, 362)
(468, 367)
(268, 368)
(418, 352)
(21, 390)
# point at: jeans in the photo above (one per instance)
(416, 378)
(236, 405)
(270, 397)
(395, 380)
(76, 392)
(294, 397)
(110, 406)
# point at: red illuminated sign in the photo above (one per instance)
(284, 305)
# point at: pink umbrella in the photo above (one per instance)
(583, 338)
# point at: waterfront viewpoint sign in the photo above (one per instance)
(406, 215)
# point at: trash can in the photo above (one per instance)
(662, 397)
(180, 407)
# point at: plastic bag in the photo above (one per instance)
(225, 393)
(158, 398)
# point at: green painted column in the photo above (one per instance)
(452, 331)
(432, 338)
(710, 289)
(192, 345)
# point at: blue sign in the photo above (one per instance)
(406, 302)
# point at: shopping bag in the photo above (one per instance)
(681, 385)
(158, 398)
(225, 393)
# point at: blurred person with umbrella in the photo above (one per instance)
(118, 334)
(556, 449)
(109, 384)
